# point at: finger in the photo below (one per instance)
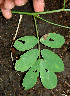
(1, 1)
(20, 2)
(6, 13)
(38, 5)
(9, 4)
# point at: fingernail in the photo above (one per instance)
(22, 4)
(12, 7)
(9, 8)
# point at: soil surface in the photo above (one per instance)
(10, 79)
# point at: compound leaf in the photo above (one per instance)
(54, 62)
(52, 40)
(27, 60)
(30, 78)
(25, 43)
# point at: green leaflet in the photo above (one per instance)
(27, 60)
(54, 62)
(30, 78)
(48, 79)
(57, 42)
(29, 42)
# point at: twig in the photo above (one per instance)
(18, 27)
(16, 34)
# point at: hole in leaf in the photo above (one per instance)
(46, 70)
(35, 71)
(51, 39)
(22, 41)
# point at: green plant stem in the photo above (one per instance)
(52, 23)
(28, 13)
(37, 36)
(64, 4)
(36, 13)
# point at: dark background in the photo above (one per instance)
(10, 79)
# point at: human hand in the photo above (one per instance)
(7, 5)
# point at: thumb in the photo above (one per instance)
(38, 5)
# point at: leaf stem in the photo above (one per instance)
(52, 23)
(36, 13)
(37, 36)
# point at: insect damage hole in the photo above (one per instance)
(46, 70)
(35, 71)
(51, 39)
(22, 41)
